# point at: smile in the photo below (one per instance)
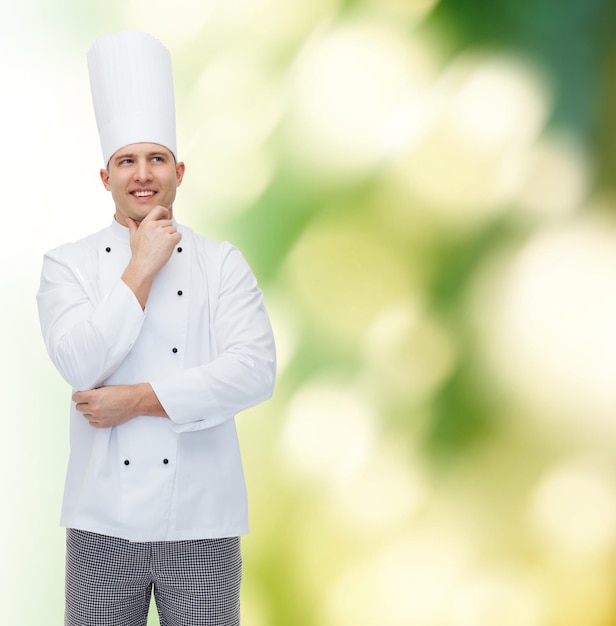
(143, 194)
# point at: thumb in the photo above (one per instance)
(132, 226)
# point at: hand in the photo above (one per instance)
(106, 406)
(152, 240)
(113, 405)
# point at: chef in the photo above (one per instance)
(163, 337)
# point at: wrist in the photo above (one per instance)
(147, 402)
(139, 281)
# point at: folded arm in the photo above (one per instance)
(87, 340)
(243, 371)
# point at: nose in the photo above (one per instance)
(142, 170)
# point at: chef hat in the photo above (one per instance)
(132, 90)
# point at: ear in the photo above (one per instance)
(180, 168)
(105, 178)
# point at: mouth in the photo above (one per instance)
(143, 193)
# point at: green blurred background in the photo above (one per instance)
(425, 191)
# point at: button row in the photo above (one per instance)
(174, 350)
(108, 249)
(127, 462)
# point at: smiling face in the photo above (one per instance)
(142, 176)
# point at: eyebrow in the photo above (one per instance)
(130, 155)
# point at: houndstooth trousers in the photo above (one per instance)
(109, 581)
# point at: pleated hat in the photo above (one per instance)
(131, 80)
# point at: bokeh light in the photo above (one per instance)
(348, 84)
(552, 328)
(573, 510)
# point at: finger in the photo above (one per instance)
(157, 213)
(132, 226)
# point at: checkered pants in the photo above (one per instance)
(109, 581)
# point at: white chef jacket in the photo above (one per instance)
(204, 343)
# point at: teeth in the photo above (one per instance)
(143, 194)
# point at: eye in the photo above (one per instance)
(158, 159)
(126, 161)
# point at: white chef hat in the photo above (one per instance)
(132, 91)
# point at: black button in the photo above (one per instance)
(165, 461)
(174, 350)
(180, 292)
(107, 249)
(180, 249)
(126, 462)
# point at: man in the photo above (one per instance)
(163, 336)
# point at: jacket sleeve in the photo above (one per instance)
(243, 371)
(87, 337)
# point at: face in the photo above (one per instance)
(142, 176)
